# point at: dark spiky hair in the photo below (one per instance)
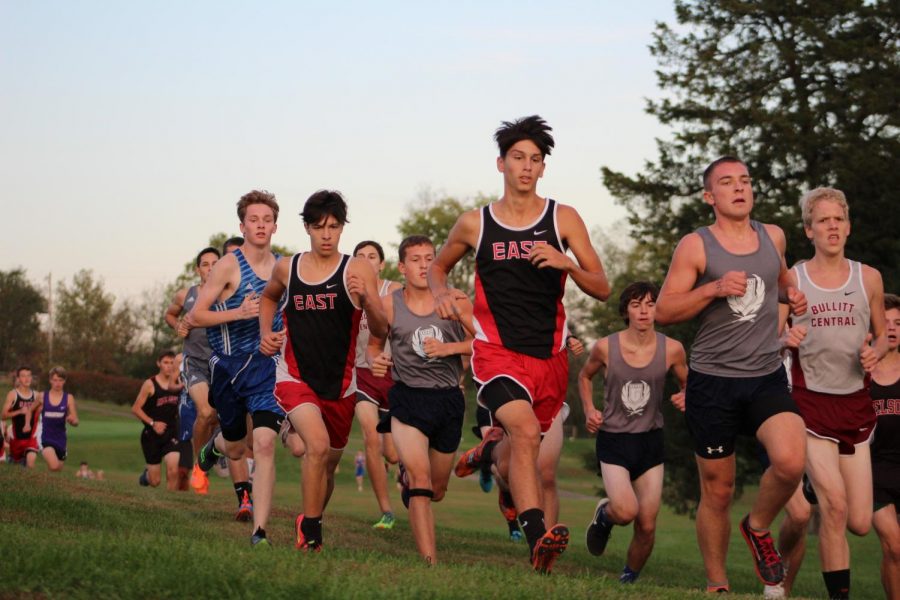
(532, 128)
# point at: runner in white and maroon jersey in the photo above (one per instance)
(315, 377)
(519, 356)
(372, 395)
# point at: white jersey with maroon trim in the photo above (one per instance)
(518, 305)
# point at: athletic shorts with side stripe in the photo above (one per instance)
(336, 414)
(505, 375)
(373, 389)
(846, 419)
(240, 385)
(19, 448)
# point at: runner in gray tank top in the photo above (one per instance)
(629, 430)
(427, 404)
(371, 395)
(726, 276)
(842, 339)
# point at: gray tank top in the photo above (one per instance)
(738, 336)
(362, 340)
(836, 322)
(408, 333)
(195, 344)
(634, 395)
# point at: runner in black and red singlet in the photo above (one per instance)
(327, 293)
(519, 356)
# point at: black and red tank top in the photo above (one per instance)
(516, 304)
(886, 402)
(162, 405)
(322, 325)
(18, 421)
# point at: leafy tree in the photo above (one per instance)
(188, 276)
(805, 92)
(93, 333)
(21, 339)
(435, 218)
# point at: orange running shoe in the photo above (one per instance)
(301, 543)
(470, 461)
(199, 481)
(551, 545)
(245, 510)
(507, 507)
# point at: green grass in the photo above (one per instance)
(71, 538)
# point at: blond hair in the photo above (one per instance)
(813, 197)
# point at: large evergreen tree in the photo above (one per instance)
(805, 92)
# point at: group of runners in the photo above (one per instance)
(289, 349)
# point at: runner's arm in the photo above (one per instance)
(175, 308)
(225, 274)
(72, 412)
(879, 346)
(436, 349)
(138, 407)
(379, 361)
(788, 291)
(587, 269)
(678, 363)
(270, 342)
(8, 412)
(362, 284)
(460, 240)
(678, 299)
(593, 418)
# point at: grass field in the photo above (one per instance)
(64, 537)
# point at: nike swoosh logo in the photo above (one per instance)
(536, 232)
(848, 293)
(328, 287)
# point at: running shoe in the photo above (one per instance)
(245, 509)
(302, 543)
(766, 559)
(515, 536)
(143, 481)
(507, 508)
(717, 589)
(551, 545)
(199, 481)
(471, 459)
(260, 541)
(486, 478)
(598, 532)
(774, 591)
(385, 522)
(208, 454)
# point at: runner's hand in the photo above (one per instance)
(732, 283)
(356, 285)
(575, 345)
(793, 336)
(249, 308)
(867, 356)
(381, 364)
(678, 400)
(159, 427)
(796, 300)
(270, 344)
(593, 419)
(445, 304)
(545, 256)
(183, 328)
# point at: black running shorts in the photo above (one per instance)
(635, 452)
(437, 413)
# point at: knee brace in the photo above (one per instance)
(421, 492)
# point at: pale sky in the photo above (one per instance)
(128, 130)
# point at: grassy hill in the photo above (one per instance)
(71, 538)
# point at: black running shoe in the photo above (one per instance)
(143, 481)
(766, 559)
(598, 533)
(808, 491)
(208, 455)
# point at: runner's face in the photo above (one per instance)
(370, 253)
(325, 235)
(25, 378)
(892, 316)
(830, 227)
(258, 225)
(731, 192)
(642, 313)
(57, 383)
(522, 166)
(166, 366)
(206, 264)
(415, 265)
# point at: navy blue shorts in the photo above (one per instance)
(240, 385)
(437, 413)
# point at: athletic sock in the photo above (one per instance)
(628, 576)
(513, 526)
(487, 453)
(532, 522)
(241, 487)
(837, 583)
(311, 527)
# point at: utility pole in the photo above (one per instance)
(50, 318)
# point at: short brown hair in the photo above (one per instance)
(891, 301)
(59, 372)
(413, 240)
(257, 197)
